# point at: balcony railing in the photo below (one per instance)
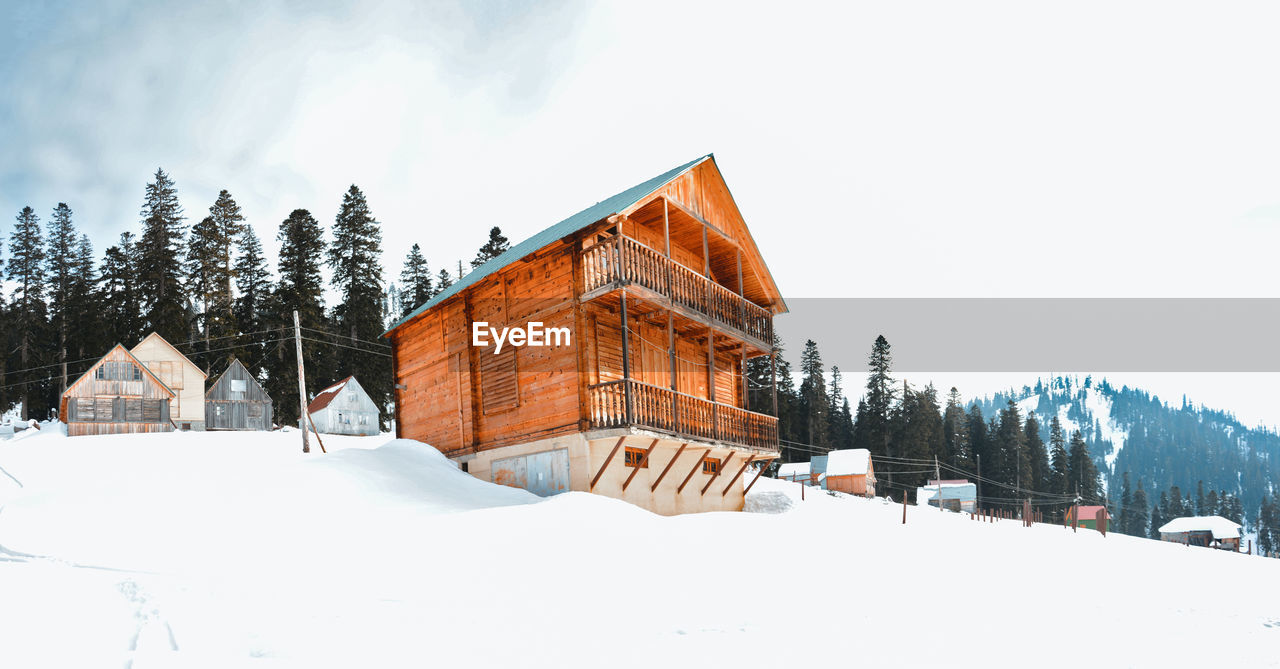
(684, 415)
(625, 261)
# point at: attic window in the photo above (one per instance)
(710, 466)
(635, 458)
(238, 386)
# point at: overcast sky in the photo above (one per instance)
(876, 149)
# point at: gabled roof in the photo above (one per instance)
(156, 335)
(848, 462)
(1221, 528)
(324, 397)
(793, 469)
(235, 362)
(136, 361)
(596, 212)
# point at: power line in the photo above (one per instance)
(349, 338)
(354, 348)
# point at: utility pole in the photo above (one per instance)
(302, 384)
(937, 479)
(979, 479)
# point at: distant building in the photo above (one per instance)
(117, 395)
(818, 469)
(1210, 531)
(953, 495)
(1088, 516)
(850, 471)
(180, 375)
(236, 401)
(344, 408)
(796, 471)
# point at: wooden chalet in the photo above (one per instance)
(344, 408)
(180, 375)
(1207, 531)
(1086, 516)
(117, 395)
(236, 401)
(665, 297)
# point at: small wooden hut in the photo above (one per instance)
(1086, 516)
(117, 395)
(236, 401)
(850, 470)
(344, 408)
(1210, 531)
(180, 375)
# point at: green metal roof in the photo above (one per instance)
(596, 212)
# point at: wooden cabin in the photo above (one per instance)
(657, 298)
(850, 470)
(957, 495)
(117, 395)
(797, 472)
(236, 401)
(180, 375)
(344, 408)
(1086, 515)
(1208, 531)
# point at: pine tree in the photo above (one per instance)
(253, 283)
(1011, 464)
(120, 298)
(957, 449)
(871, 431)
(1037, 456)
(415, 281)
(1201, 509)
(1157, 519)
(201, 269)
(813, 396)
(443, 281)
(1083, 474)
(840, 420)
(354, 257)
(301, 289)
(1126, 506)
(1139, 514)
(1058, 461)
(27, 311)
(61, 270)
(86, 323)
(158, 268)
(491, 249)
(917, 434)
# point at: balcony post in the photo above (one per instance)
(711, 381)
(626, 355)
(773, 379)
(671, 353)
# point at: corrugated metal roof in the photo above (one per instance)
(596, 212)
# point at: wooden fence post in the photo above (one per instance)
(904, 507)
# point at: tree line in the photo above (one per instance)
(904, 427)
(208, 290)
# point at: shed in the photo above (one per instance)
(952, 495)
(1211, 531)
(180, 375)
(236, 401)
(117, 395)
(795, 471)
(849, 470)
(1087, 515)
(344, 408)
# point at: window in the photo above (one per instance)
(238, 386)
(351, 398)
(710, 466)
(635, 458)
(217, 410)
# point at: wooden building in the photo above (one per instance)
(1208, 531)
(117, 395)
(850, 470)
(663, 296)
(1087, 515)
(344, 408)
(180, 375)
(236, 401)
(797, 472)
(957, 495)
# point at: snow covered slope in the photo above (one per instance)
(231, 550)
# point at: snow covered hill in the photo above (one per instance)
(230, 550)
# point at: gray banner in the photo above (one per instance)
(1040, 335)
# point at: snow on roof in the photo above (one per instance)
(961, 490)
(793, 469)
(849, 461)
(324, 397)
(1219, 526)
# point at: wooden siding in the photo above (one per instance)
(464, 399)
(117, 395)
(350, 412)
(236, 401)
(181, 375)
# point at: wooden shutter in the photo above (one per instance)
(499, 388)
(102, 409)
(151, 411)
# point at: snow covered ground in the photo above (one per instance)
(230, 550)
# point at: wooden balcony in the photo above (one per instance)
(622, 261)
(630, 403)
